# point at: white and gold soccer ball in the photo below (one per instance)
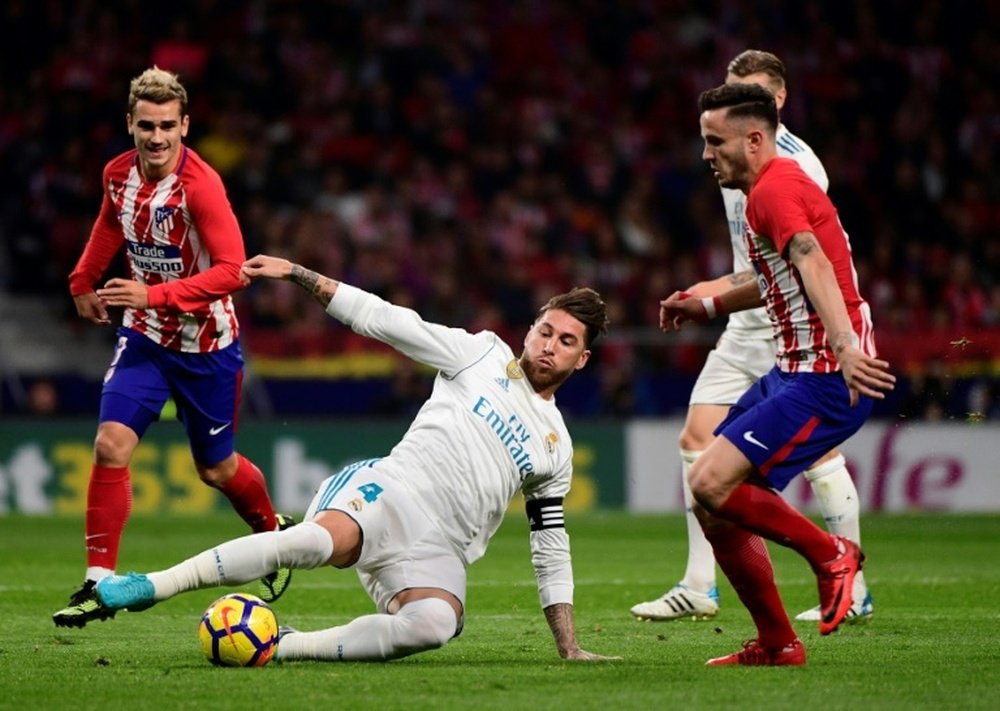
(238, 630)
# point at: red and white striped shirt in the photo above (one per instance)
(783, 202)
(182, 240)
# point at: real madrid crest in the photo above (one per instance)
(514, 371)
(355, 504)
(550, 442)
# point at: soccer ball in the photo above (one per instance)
(238, 630)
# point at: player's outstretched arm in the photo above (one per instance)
(683, 306)
(719, 286)
(560, 619)
(265, 267)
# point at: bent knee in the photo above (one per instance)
(707, 488)
(218, 474)
(431, 622)
(693, 440)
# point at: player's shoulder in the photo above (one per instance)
(480, 354)
(194, 168)
(781, 179)
(121, 163)
(777, 173)
(495, 348)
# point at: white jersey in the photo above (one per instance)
(755, 323)
(483, 434)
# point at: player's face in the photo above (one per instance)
(725, 149)
(158, 130)
(553, 349)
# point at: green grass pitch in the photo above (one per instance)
(933, 642)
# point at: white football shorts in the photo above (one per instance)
(401, 547)
(736, 363)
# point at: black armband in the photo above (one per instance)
(545, 513)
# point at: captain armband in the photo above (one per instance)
(545, 513)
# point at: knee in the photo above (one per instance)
(307, 545)
(216, 475)
(705, 485)
(692, 440)
(113, 446)
(431, 622)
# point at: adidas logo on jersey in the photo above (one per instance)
(503, 383)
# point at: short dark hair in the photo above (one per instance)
(757, 61)
(586, 306)
(742, 101)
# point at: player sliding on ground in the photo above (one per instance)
(412, 522)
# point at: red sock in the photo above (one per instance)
(247, 492)
(764, 512)
(744, 559)
(109, 502)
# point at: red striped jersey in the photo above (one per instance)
(181, 239)
(783, 202)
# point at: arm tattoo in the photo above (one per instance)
(742, 277)
(839, 341)
(803, 243)
(322, 288)
(560, 619)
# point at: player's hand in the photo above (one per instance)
(581, 655)
(865, 375)
(265, 267)
(124, 292)
(90, 307)
(678, 308)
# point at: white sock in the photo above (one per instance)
(700, 572)
(838, 501)
(419, 625)
(307, 545)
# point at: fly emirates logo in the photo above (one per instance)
(512, 433)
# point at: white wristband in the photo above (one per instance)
(709, 302)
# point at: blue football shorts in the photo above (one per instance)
(786, 421)
(204, 386)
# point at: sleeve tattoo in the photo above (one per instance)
(322, 288)
(560, 619)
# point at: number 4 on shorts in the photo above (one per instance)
(371, 491)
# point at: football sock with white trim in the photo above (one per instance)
(700, 572)
(307, 545)
(838, 500)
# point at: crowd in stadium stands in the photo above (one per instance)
(471, 158)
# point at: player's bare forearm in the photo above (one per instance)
(715, 287)
(740, 278)
(864, 375)
(263, 266)
(560, 619)
(744, 294)
(322, 288)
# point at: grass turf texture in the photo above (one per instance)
(932, 643)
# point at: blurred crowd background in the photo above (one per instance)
(469, 159)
